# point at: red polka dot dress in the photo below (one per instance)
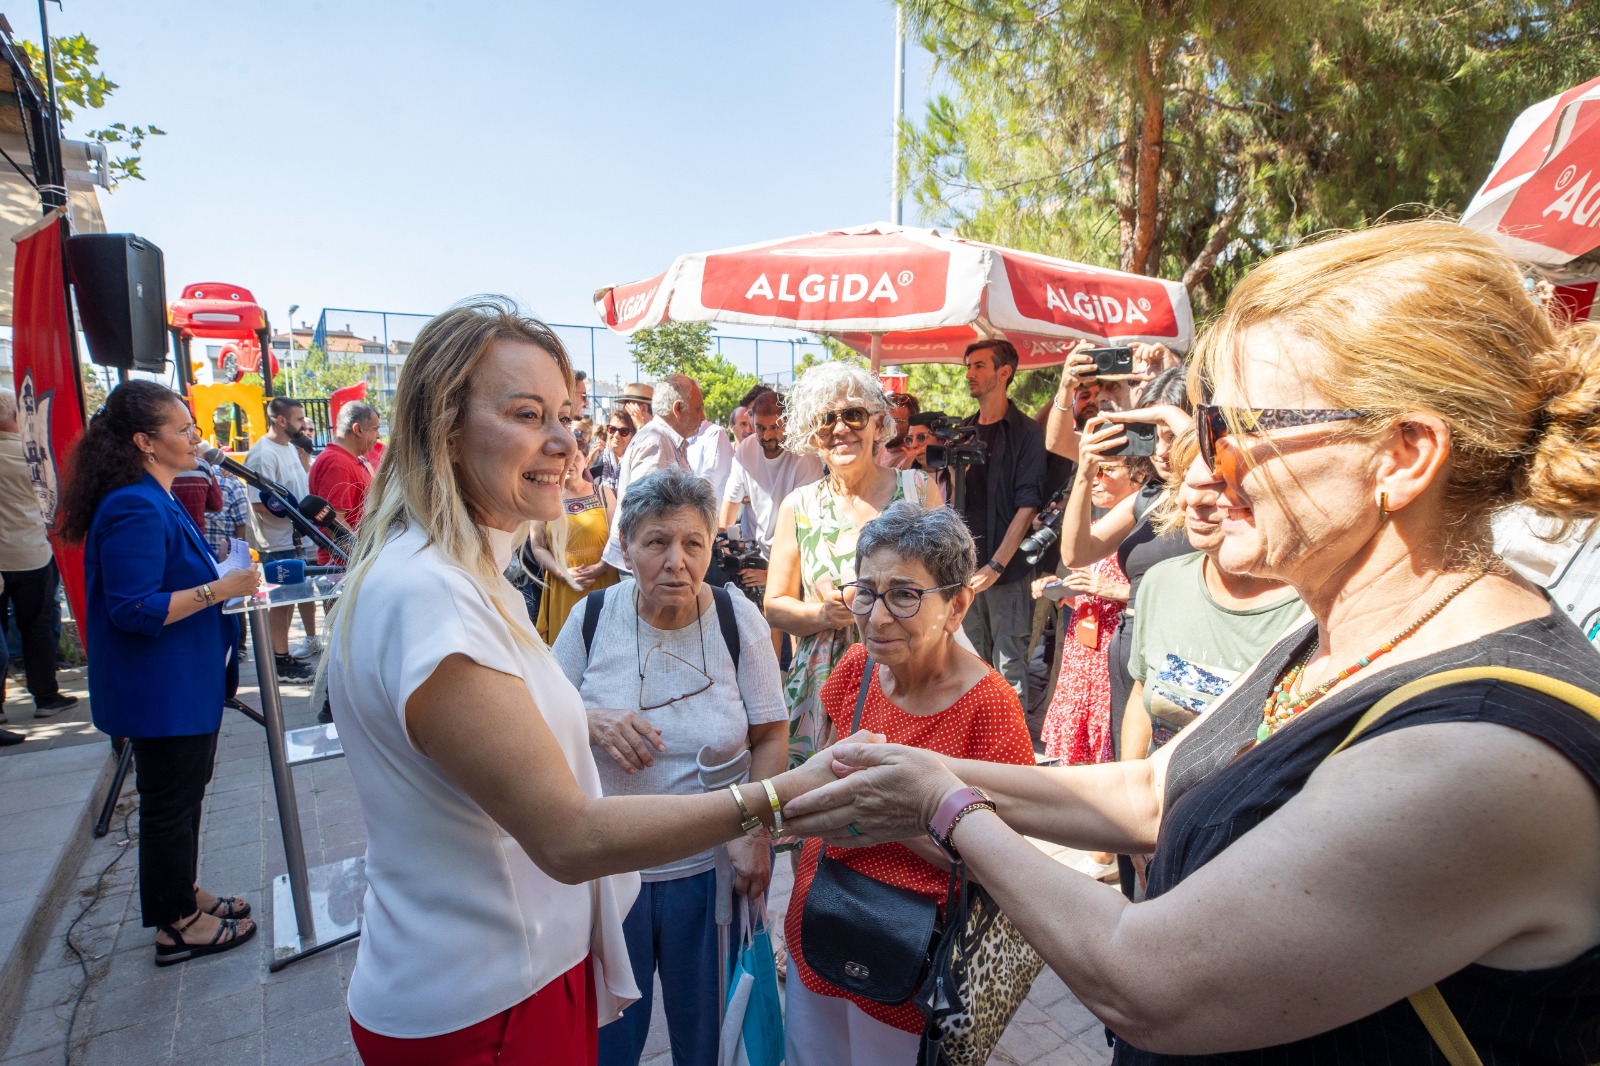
(986, 723)
(1077, 728)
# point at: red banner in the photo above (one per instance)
(829, 277)
(49, 391)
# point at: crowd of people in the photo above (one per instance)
(1292, 693)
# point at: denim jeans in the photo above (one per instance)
(672, 929)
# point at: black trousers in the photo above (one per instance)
(172, 774)
(32, 595)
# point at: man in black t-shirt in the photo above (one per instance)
(1002, 496)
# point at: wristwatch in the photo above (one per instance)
(996, 565)
(954, 807)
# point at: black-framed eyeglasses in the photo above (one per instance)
(854, 417)
(903, 602)
(1211, 422)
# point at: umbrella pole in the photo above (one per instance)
(877, 352)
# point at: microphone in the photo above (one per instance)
(322, 513)
(218, 457)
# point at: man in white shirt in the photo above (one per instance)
(763, 474)
(274, 536)
(711, 456)
(679, 409)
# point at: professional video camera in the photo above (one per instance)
(734, 556)
(958, 444)
(1035, 544)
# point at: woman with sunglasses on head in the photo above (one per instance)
(1399, 802)
(838, 412)
(926, 690)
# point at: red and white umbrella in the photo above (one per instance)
(905, 295)
(1542, 199)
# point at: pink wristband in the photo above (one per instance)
(945, 817)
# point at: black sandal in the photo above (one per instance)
(229, 907)
(181, 950)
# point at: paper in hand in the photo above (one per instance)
(238, 557)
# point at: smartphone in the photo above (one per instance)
(1111, 360)
(1141, 439)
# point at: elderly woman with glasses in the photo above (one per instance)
(1382, 844)
(911, 680)
(839, 413)
(681, 687)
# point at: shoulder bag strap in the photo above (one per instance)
(592, 604)
(861, 694)
(1429, 1003)
(855, 724)
(722, 604)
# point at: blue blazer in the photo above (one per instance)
(147, 678)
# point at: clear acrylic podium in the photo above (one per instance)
(326, 900)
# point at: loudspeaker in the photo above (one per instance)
(122, 299)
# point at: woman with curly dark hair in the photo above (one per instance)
(154, 612)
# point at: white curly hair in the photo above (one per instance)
(819, 390)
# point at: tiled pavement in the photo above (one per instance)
(230, 1009)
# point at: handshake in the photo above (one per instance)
(862, 791)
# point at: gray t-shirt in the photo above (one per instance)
(717, 719)
(1187, 648)
(280, 463)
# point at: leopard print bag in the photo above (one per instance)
(982, 972)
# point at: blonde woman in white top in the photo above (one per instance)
(496, 884)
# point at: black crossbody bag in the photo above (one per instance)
(862, 935)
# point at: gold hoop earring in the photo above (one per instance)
(150, 457)
(1383, 506)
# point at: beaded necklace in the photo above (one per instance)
(1283, 705)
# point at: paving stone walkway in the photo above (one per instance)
(102, 1002)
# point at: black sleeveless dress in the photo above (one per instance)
(1511, 1016)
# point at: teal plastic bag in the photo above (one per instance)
(752, 1023)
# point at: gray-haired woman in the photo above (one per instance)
(838, 412)
(679, 682)
(928, 691)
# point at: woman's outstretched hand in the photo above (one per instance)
(884, 791)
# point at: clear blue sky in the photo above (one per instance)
(402, 155)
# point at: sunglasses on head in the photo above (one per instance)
(854, 417)
(1211, 425)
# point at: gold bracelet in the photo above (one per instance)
(748, 822)
(777, 808)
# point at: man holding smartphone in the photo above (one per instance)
(1001, 497)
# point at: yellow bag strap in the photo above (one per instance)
(1429, 1003)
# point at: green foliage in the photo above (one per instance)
(1191, 139)
(943, 387)
(685, 348)
(94, 388)
(318, 373)
(81, 84)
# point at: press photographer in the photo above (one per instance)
(998, 494)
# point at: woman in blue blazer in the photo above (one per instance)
(158, 648)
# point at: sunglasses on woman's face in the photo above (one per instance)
(619, 431)
(1109, 470)
(854, 417)
(1211, 426)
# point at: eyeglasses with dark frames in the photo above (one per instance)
(1211, 425)
(902, 601)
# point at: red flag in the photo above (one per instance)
(50, 411)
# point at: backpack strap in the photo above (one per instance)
(727, 621)
(592, 605)
(1429, 1003)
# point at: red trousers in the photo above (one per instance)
(556, 1026)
